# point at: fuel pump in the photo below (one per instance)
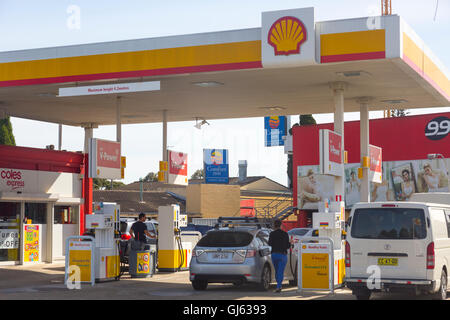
(104, 223)
(171, 254)
(330, 222)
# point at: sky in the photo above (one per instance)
(48, 23)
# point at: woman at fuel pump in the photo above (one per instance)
(279, 241)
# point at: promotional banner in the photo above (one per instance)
(9, 238)
(80, 255)
(177, 168)
(376, 160)
(104, 159)
(275, 128)
(399, 180)
(330, 146)
(215, 162)
(31, 243)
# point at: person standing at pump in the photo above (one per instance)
(138, 232)
(279, 241)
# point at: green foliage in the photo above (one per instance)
(105, 184)
(307, 119)
(6, 133)
(151, 177)
(199, 174)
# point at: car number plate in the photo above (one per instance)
(388, 261)
(220, 255)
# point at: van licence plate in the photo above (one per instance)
(388, 261)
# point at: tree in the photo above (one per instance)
(6, 133)
(151, 177)
(105, 184)
(305, 120)
(199, 174)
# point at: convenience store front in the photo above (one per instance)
(40, 203)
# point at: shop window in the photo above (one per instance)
(35, 213)
(9, 231)
(65, 215)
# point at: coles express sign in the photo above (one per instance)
(11, 180)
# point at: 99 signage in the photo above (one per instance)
(438, 128)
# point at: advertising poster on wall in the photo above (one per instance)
(275, 128)
(399, 180)
(216, 168)
(31, 243)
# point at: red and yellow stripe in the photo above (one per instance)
(203, 58)
(351, 46)
(416, 58)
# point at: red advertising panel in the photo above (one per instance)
(178, 167)
(104, 159)
(376, 163)
(406, 143)
(335, 145)
(108, 154)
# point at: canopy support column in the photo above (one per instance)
(338, 93)
(364, 147)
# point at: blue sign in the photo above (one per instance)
(275, 128)
(215, 162)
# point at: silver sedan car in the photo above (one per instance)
(235, 255)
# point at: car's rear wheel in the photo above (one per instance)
(442, 293)
(362, 294)
(200, 284)
(266, 278)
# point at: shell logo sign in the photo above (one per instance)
(288, 38)
(287, 35)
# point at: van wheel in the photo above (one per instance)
(200, 284)
(266, 277)
(362, 294)
(442, 293)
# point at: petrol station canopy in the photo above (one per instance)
(230, 74)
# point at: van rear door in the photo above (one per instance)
(392, 238)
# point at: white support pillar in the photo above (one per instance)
(364, 146)
(164, 149)
(118, 119)
(338, 89)
(59, 137)
(88, 134)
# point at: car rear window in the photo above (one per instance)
(298, 232)
(389, 223)
(225, 239)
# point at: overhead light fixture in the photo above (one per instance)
(46, 94)
(199, 124)
(273, 108)
(394, 101)
(352, 73)
(207, 84)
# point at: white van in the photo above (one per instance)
(398, 246)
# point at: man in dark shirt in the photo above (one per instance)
(279, 241)
(139, 230)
